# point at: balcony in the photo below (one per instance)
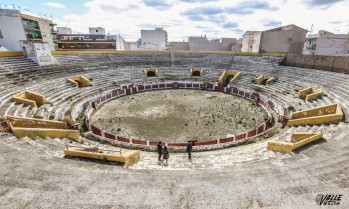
(312, 46)
(33, 37)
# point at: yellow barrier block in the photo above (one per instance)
(228, 77)
(29, 98)
(195, 72)
(151, 72)
(128, 158)
(326, 114)
(264, 80)
(11, 54)
(309, 94)
(298, 139)
(79, 81)
(43, 128)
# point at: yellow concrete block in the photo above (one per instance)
(151, 72)
(299, 139)
(128, 158)
(79, 81)
(309, 93)
(195, 72)
(29, 98)
(11, 54)
(228, 77)
(43, 128)
(264, 80)
(325, 114)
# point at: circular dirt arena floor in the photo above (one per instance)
(179, 115)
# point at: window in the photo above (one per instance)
(1, 35)
(97, 31)
(43, 34)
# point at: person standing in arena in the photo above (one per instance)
(159, 149)
(189, 148)
(166, 154)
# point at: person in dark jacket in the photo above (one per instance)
(159, 149)
(166, 155)
(189, 148)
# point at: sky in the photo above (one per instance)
(184, 18)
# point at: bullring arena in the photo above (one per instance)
(244, 134)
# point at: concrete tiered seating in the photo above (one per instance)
(319, 168)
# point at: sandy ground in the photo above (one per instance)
(178, 115)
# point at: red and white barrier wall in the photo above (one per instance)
(94, 102)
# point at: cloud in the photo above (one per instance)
(243, 8)
(197, 1)
(249, 7)
(271, 23)
(158, 4)
(229, 25)
(111, 8)
(53, 4)
(203, 11)
(196, 17)
(322, 4)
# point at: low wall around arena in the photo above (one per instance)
(96, 101)
(326, 63)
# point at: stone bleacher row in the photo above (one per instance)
(260, 178)
(50, 81)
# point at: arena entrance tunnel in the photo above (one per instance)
(228, 77)
(264, 80)
(151, 72)
(79, 81)
(195, 72)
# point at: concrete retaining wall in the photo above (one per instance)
(326, 63)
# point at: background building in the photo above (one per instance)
(251, 41)
(154, 39)
(64, 30)
(95, 40)
(203, 44)
(286, 39)
(327, 44)
(16, 27)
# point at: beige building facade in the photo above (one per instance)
(16, 26)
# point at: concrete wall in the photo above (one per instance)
(332, 45)
(276, 41)
(64, 30)
(179, 46)
(291, 41)
(38, 52)
(327, 63)
(156, 39)
(251, 41)
(202, 44)
(97, 31)
(12, 29)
